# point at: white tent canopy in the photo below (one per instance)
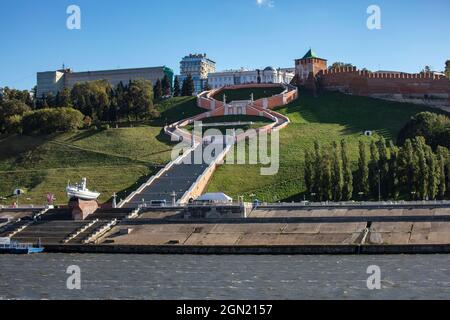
(215, 197)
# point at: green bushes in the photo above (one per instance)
(10, 113)
(435, 128)
(46, 121)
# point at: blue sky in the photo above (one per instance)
(234, 33)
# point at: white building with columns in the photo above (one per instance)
(244, 76)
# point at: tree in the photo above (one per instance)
(383, 167)
(422, 165)
(140, 99)
(433, 173)
(317, 169)
(10, 108)
(447, 68)
(373, 170)
(447, 176)
(326, 183)
(336, 65)
(393, 180)
(362, 175)
(429, 125)
(309, 172)
(166, 87)
(188, 87)
(46, 121)
(347, 191)
(158, 90)
(407, 168)
(336, 174)
(207, 87)
(426, 69)
(20, 95)
(65, 100)
(121, 97)
(176, 87)
(442, 158)
(92, 98)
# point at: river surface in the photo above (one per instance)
(44, 276)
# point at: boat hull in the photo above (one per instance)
(83, 195)
(21, 250)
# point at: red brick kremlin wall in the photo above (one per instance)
(421, 88)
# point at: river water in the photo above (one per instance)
(44, 276)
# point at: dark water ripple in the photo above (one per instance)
(224, 277)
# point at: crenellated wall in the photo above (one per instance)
(423, 88)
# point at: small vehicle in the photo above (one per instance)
(158, 203)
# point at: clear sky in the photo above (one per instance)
(234, 33)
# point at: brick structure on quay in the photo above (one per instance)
(422, 88)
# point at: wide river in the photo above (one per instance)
(44, 276)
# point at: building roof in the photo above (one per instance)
(311, 55)
(215, 197)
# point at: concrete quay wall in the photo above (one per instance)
(253, 250)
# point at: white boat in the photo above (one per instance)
(80, 191)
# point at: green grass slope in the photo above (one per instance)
(114, 160)
(328, 118)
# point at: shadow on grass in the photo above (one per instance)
(83, 135)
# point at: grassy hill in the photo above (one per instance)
(119, 160)
(114, 160)
(328, 118)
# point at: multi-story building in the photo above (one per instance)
(52, 82)
(198, 66)
(243, 76)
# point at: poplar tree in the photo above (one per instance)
(316, 186)
(158, 90)
(407, 168)
(447, 175)
(362, 175)
(433, 174)
(188, 87)
(393, 180)
(336, 177)
(422, 166)
(383, 167)
(347, 191)
(373, 170)
(442, 154)
(176, 87)
(166, 89)
(325, 177)
(309, 172)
